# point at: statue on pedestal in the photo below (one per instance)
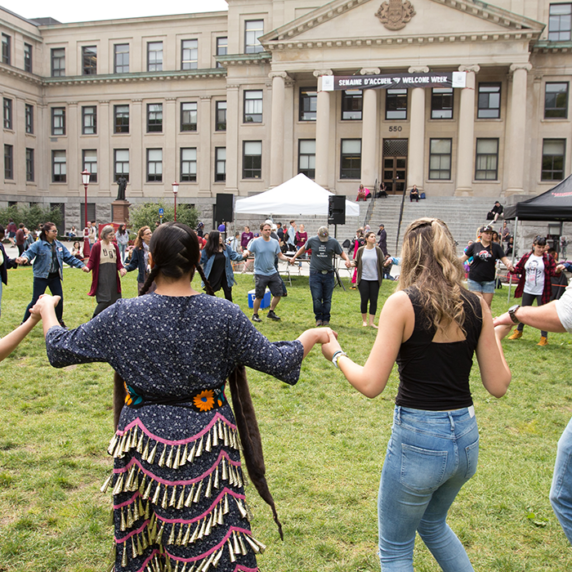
(121, 186)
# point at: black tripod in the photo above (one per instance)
(338, 280)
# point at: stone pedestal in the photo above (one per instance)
(120, 212)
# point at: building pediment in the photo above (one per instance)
(363, 22)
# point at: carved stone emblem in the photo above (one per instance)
(395, 14)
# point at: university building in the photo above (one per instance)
(235, 101)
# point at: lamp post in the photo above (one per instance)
(85, 175)
(175, 191)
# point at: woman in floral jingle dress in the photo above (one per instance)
(177, 481)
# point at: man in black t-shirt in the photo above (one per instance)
(495, 212)
(482, 273)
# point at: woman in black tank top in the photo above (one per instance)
(432, 328)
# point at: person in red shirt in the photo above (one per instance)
(20, 238)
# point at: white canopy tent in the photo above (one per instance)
(298, 196)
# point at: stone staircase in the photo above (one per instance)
(463, 216)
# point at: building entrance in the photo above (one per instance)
(395, 165)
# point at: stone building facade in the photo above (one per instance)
(232, 102)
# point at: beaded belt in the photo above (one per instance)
(200, 400)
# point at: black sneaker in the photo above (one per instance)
(272, 315)
(255, 318)
(324, 323)
(318, 323)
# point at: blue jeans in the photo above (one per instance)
(430, 456)
(55, 286)
(122, 248)
(561, 490)
(321, 287)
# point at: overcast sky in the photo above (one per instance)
(108, 9)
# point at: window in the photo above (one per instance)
(189, 165)
(89, 120)
(189, 116)
(307, 157)
(253, 106)
(154, 117)
(121, 59)
(89, 60)
(7, 113)
(59, 167)
(253, 29)
(553, 153)
(442, 103)
(8, 162)
(440, 158)
(396, 104)
(6, 49)
(486, 165)
(221, 50)
(154, 56)
(28, 58)
(556, 100)
(189, 54)
(29, 118)
(350, 164)
(220, 116)
(220, 164)
(121, 163)
(121, 119)
(30, 165)
(308, 104)
(90, 163)
(559, 22)
(58, 121)
(352, 104)
(58, 62)
(252, 159)
(154, 165)
(489, 100)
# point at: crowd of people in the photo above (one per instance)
(176, 439)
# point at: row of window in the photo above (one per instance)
(7, 53)
(440, 160)
(188, 163)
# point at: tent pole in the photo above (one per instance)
(513, 256)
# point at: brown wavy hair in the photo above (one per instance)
(430, 264)
(139, 239)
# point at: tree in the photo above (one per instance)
(31, 216)
(148, 214)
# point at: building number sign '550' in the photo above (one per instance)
(393, 128)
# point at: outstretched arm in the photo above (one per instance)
(9, 343)
(540, 317)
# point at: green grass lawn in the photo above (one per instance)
(324, 448)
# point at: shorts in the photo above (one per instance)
(481, 287)
(273, 282)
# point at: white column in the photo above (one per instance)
(416, 156)
(369, 133)
(277, 129)
(204, 165)
(322, 130)
(466, 139)
(73, 155)
(515, 143)
(104, 177)
(232, 117)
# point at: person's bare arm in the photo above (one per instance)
(299, 253)
(10, 342)
(507, 263)
(464, 258)
(539, 317)
(495, 373)
(315, 336)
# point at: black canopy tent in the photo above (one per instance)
(553, 205)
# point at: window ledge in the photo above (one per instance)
(555, 120)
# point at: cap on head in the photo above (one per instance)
(487, 228)
(323, 233)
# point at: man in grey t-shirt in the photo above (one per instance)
(322, 280)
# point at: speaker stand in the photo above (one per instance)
(338, 280)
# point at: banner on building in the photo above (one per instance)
(396, 80)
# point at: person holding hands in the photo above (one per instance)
(432, 328)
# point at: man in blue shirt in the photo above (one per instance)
(50, 254)
(265, 249)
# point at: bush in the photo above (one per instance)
(148, 215)
(30, 216)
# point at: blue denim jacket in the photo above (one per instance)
(41, 250)
(229, 254)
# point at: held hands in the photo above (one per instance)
(560, 268)
(85, 268)
(331, 346)
(503, 320)
(122, 272)
(348, 264)
(21, 260)
(44, 303)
